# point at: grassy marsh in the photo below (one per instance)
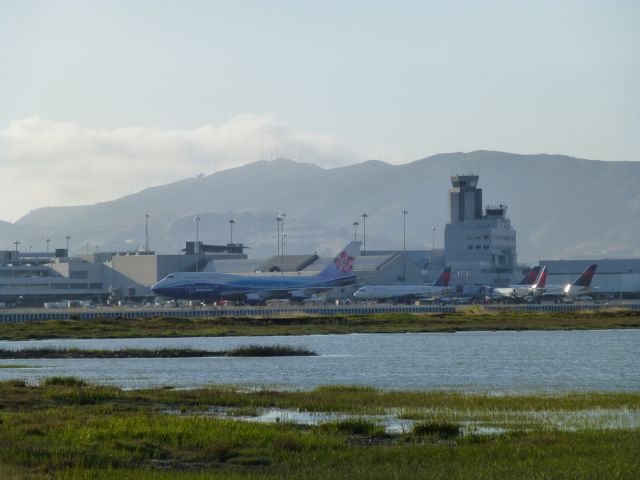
(471, 319)
(66, 428)
(241, 351)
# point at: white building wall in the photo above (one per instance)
(612, 275)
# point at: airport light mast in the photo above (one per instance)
(282, 215)
(404, 245)
(364, 232)
(146, 233)
(278, 221)
(231, 222)
(196, 248)
(355, 230)
(284, 235)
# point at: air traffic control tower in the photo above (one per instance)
(480, 245)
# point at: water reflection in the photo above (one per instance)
(468, 361)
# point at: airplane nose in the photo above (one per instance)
(159, 289)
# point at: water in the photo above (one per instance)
(500, 362)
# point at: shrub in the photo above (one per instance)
(439, 429)
(268, 351)
(357, 426)
(64, 382)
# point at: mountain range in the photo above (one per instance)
(561, 207)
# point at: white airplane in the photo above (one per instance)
(581, 286)
(402, 292)
(517, 290)
(529, 285)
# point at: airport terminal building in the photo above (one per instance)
(614, 278)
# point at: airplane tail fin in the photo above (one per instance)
(530, 277)
(541, 281)
(343, 263)
(584, 280)
(443, 280)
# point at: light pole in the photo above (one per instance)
(284, 235)
(196, 247)
(48, 240)
(434, 239)
(87, 245)
(67, 239)
(16, 243)
(278, 221)
(282, 216)
(355, 230)
(146, 233)
(404, 245)
(364, 232)
(231, 222)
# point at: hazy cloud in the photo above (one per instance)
(60, 163)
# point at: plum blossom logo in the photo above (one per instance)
(344, 262)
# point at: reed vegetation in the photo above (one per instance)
(471, 319)
(66, 428)
(242, 351)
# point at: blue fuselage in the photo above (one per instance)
(216, 286)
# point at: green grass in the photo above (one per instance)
(419, 405)
(64, 382)
(242, 351)
(66, 428)
(472, 319)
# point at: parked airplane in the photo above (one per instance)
(581, 286)
(209, 286)
(402, 292)
(521, 289)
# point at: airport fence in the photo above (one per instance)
(30, 315)
(199, 312)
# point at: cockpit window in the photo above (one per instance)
(171, 276)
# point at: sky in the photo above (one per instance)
(100, 99)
